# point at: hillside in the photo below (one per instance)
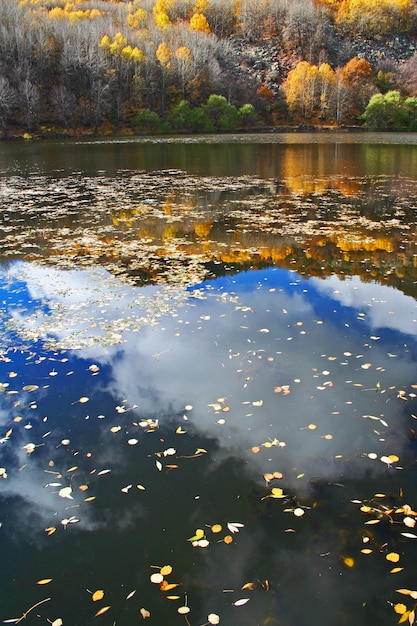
(204, 65)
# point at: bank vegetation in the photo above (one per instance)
(202, 65)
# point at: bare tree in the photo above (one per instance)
(8, 101)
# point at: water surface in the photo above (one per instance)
(201, 337)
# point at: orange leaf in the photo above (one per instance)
(101, 611)
(228, 539)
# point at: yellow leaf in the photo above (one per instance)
(166, 570)
(277, 492)
(50, 530)
(200, 451)
(90, 499)
(101, 611)
(228, 539)
(97, 595)
(400, 608)
(348, 561)
(394, 557)
(199, 534)
(173, 597)
(404, 618)
(44, 581)
(373, 521)
(145, 613)
(395, 570)
(255, 449)
(84, 399)
(366, 551)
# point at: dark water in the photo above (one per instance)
(133, 413)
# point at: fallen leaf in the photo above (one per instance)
(166, 570)
(157, 578)
(213, 618)
(183, 610)
(43, 581)
(102, 610)
(241, 602)
(66, 492)
(145, 613)
(97, 595)
(216, 528)
(394, 557)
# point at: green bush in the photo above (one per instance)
(147, 120)
(223, 115)
(391, 111)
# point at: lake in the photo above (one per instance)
(208, 382)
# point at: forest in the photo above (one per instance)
(97, 66)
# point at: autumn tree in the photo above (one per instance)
(366, 17)
(301, 89)
(163, 55)
(356, 76)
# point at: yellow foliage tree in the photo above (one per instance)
(199, 22)
(164, 54)
(328, 83)
(376, 17)
(301, 88)
(137, 19)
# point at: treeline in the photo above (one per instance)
(155, 64)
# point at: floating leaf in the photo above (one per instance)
(400, 608)
(97, 595)
(277, 492)
(102, 610)
(57, 622)
(133, 442)
(373, 521)
(409, 535)
(66, 492)
(348, 561)
(43, 581)
(157, 578)
(166, 586)
(216, 528)
(394, 557)
(213, 618)
(158, 465)
(166, 570)
(131, 594)
(183, 610)
(241, 602)
(144, 612)
(395, 570)
(228, 539)
(199, 534)
(409, 521)
(234, 527)
(83, 399)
